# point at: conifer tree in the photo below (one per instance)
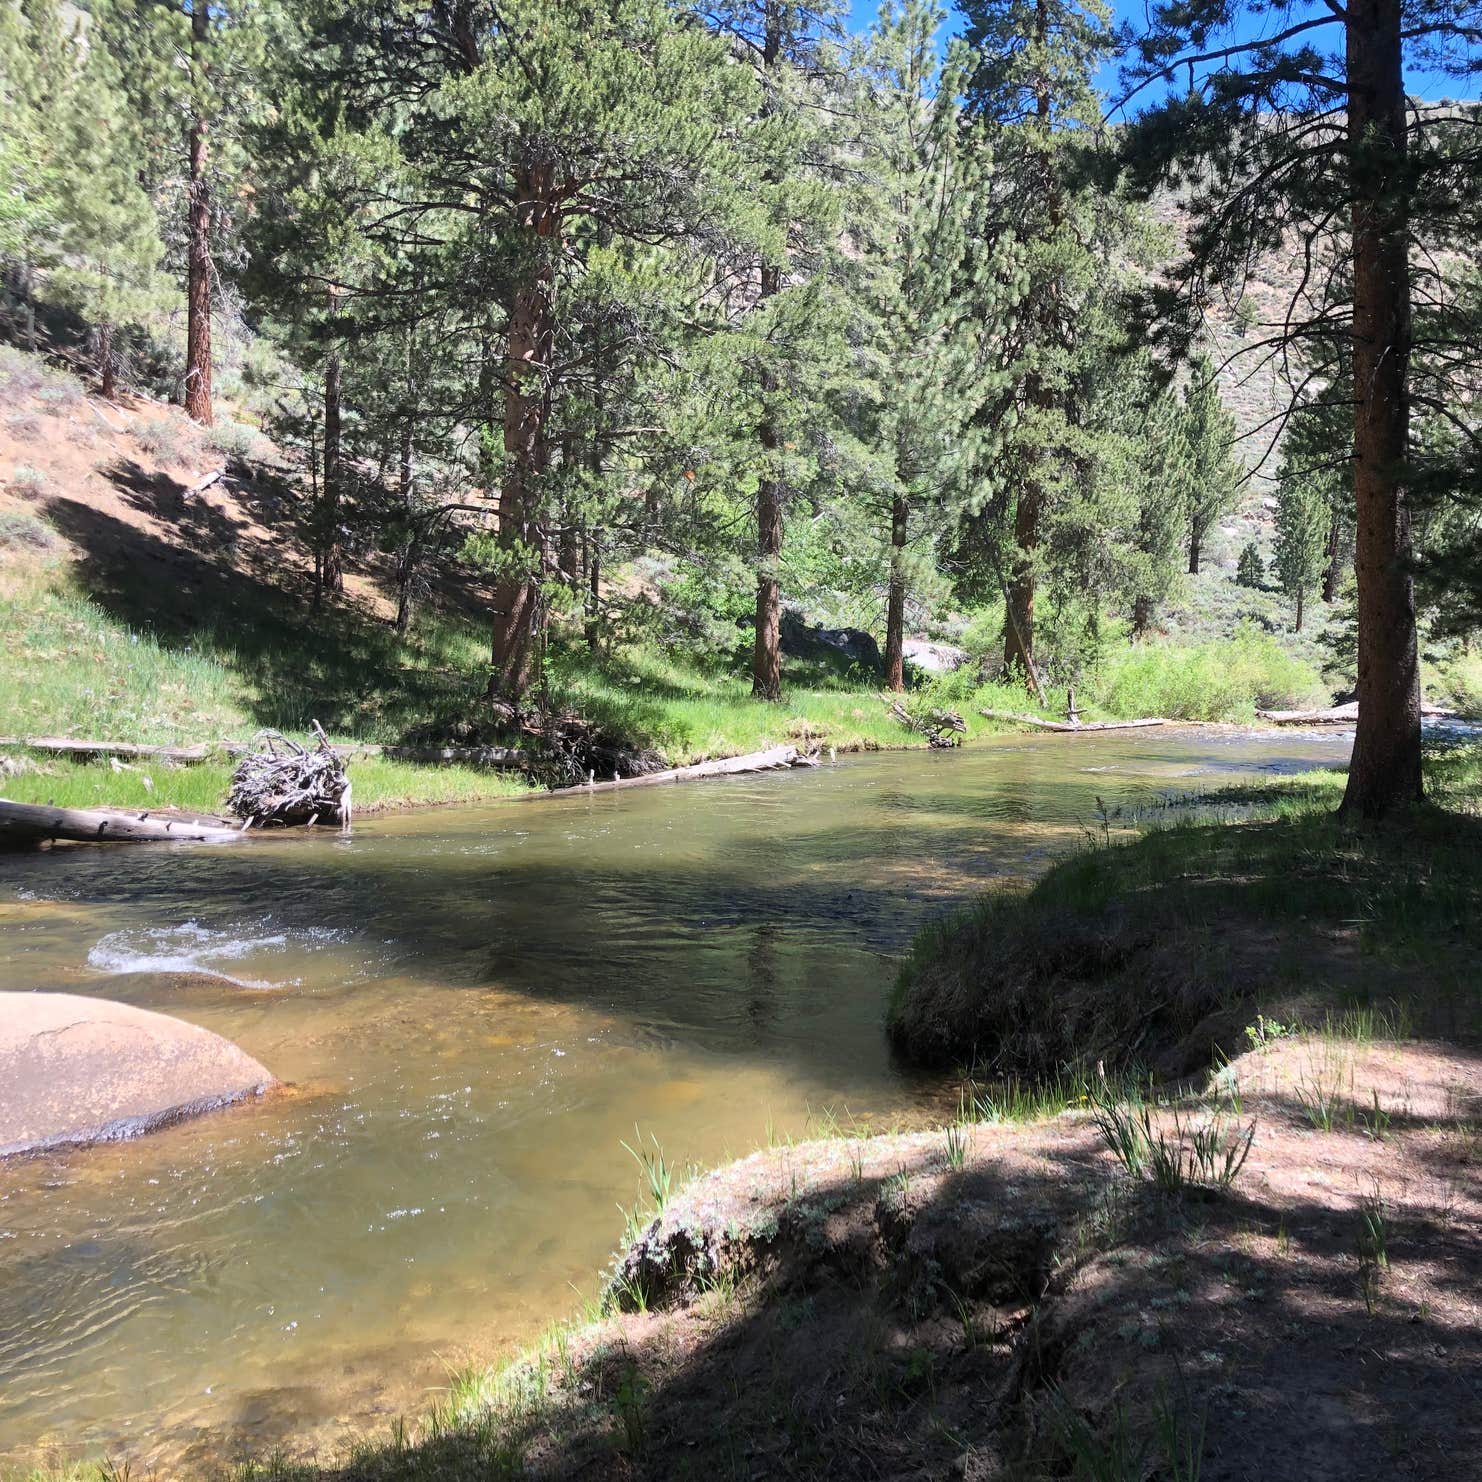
(932, 310)
(1213, 485)
(1294, 134)
(776, 300)
(1303, 515)
(1031, 89)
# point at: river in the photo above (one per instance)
(474, 1007)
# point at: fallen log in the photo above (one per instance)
(68, 746)
(773, 759)
(1075, 727)
(1338, 715)
(33, 823)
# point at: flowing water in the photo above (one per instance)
(474, 1006)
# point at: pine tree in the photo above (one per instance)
(79, 216)
(776, 300)
(1031, 89)
(1213, 485)
(1302, 520)
(931, 311)
(1250, 570)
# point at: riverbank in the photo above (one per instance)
(1275, 1275)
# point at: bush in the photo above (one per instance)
(1250, 571)
(1223, 680)
(22, 531)
(1457, 682)
(24, 427)
(159, 439)
(233, 439)
(27, 482)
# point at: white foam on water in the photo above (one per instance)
(193, 948)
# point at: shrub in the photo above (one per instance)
(1458, 683)
(1221, 680)
(24, 427)
(159, 439)
(27, 482)
(233, 439)
(22, 531)
(1250, 571)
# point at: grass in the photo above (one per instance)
(1194, 1153)
(1227, 679)
(1152, 936)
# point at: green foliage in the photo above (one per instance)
(1224, 680)
(1250, 570)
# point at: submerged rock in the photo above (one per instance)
(80, 1070)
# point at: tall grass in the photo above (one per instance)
(1229, 679)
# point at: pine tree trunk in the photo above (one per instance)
(895, 608)
(107, 363)
(198, 251)
(594, 591)
(1384, 773)
(519, 598)
(329, 515)
(406, 567)
(766, 659)
(1331, 571)
(1195, 544)
(1301, 606)
(1142, 617)
(1018, 628)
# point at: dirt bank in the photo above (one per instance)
(1011, 1301)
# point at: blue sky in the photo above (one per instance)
(1426, 84)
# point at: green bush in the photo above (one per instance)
(1250, 571)
(1457, 682)
(1227, 679)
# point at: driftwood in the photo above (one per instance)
(757, 761)
(1073, 727)
(32, 823)
(942, 728)
(1338, 715)
(67, 746)
(288, 784)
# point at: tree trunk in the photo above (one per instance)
(329, 515)
(766, 662)
(1196, 542)
(1384, 773)
(519, 597)
(1018, 628)
(406, 567)
(1331, 571)
(895, 608)
(1301, 607)
(107, 363)
(594, 590)
(1142, 617)
(198, 252)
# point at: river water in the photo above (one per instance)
(474, 1007)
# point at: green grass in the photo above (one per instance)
(1144, 937)
(378, 783)
(1225, 679)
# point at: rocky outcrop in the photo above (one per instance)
(933, 658)
(79, 1070)
(844, 646)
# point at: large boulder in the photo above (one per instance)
(843, 646)
(934, 658)
(79, 1070)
